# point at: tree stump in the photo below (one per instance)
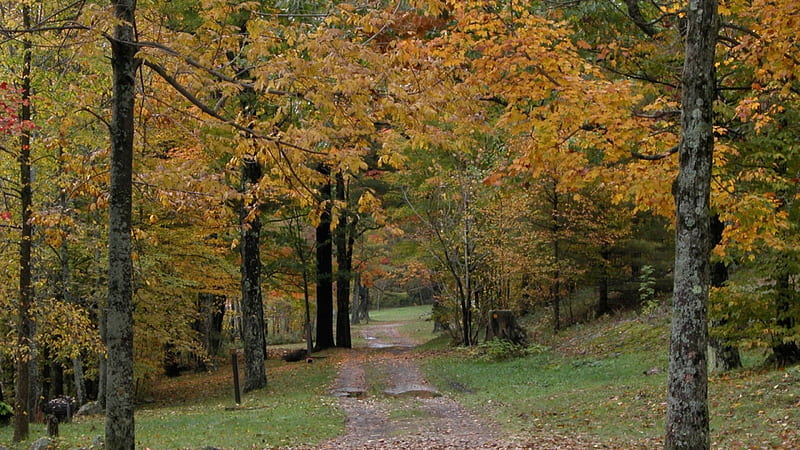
(52, 425)
(503, 325)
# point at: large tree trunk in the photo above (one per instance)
(24, 318)
(253, 334)
(687, 391)
(120, 434)
(344, 261)
(324, 272)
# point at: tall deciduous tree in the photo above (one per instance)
(687, 402)
(252, 307)
(24, 313)
(324, 269)
(119, 317)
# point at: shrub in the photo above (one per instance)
(502, 350)
(6, 411)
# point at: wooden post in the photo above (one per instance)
(52, 425)
(235, 364)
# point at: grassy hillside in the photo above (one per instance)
(607, 382)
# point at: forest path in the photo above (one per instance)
(389, 404)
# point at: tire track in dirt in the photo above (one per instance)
(389, 404)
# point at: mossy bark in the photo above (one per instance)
(253, 333)
(687, 392)
(24, 305)
(119, 315)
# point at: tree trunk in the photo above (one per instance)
(344, 261)
(120, 434)
(56, 388)
(602, 305)
(102, 365)
(253, 334)
(80, 386)
(24, 317)
(722, 356)
(365, 301)
(355, 318)
(687, 391)
(324, 272)
(784, 353)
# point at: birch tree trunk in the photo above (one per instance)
(119, 316)
(687, 391)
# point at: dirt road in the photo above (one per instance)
(389, 404)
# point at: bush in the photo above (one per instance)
(6, 411)
(502, 350)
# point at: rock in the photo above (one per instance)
(412, 390)
(43, 443)
(653, 371)
(350, 392)
(90, 409)
(62, 407)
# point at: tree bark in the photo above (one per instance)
(324, 272)
(784, 353)
(24, 318)
(344, 261)
(687, 391)
(119, 317)
(355, 305)
(602, 305)
(253, 334)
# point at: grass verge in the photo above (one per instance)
(607, 381)
(190, 412)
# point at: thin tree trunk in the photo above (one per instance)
(253, 334)
(80, 386)
(687, 390)
(120, 433)
(722, 356)
(355, 318)
(24, 318)
(602, 305)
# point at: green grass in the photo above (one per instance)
(403, 314)
(191, 413)
(606, 397)
(416, 323)
(592, 383)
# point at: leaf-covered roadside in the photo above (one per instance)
(604, 383)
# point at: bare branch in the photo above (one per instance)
(658, 156)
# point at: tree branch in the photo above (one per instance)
(206, 109)
(658, 156)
